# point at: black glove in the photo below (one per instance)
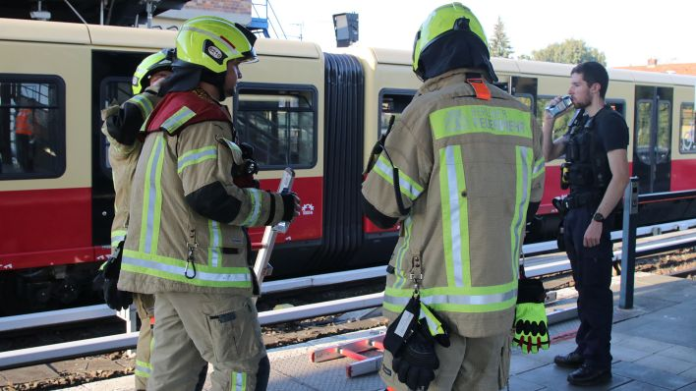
(114, 298)
(243, 175)
(291, 206)
(247, 150)
(417, 362)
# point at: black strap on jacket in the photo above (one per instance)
(395, 171)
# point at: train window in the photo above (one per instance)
(618, 105)
(32, 127)
(687, 141)
(392, 103)
(280, 123)
(560, 127)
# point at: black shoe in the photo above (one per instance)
(570, 360)
(587, 376)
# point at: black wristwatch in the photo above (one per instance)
(598, 217)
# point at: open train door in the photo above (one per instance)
(525, 90)
(112, 74)
(522, 88)
(653, 138)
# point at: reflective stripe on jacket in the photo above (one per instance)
(468, 169)
(169, 246)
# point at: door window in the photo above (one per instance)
(113, 91)
(643, 125)
(664, 124)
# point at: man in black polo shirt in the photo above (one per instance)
(596, 170)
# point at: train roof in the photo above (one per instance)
(129, 37)
(152, 39)
(506, 65)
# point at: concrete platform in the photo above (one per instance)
(654, 348)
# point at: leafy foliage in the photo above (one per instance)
(570, 51)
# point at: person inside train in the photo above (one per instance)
(596, 171)
(187, 242)
(27, 128)
(452, 280)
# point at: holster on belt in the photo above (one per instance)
(573, 201)
(561, 204)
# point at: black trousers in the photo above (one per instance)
(592, 274)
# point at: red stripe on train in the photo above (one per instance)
(308, 225)
(44, 227)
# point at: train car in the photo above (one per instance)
(317, 112)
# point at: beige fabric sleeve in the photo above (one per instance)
(407, 153)
(204, 158)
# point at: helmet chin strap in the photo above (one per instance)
(217, 80)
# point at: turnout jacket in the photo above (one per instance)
(187, 216)
(121, 127)
(468, 169)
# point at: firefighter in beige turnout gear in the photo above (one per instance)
(470, 172)
(121, 126)
(186, 243)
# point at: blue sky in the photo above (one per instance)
(628, 36)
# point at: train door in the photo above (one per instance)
(652, 138)
(112, 73)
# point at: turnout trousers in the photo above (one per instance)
(467, 364)
(145, 305)
(592, 269)
(222, 329)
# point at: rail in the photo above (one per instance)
(540, 265)
(536, 266)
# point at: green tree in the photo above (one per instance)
(570, 51)
(500, 44)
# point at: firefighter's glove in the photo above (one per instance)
(114, 298)
(291, 206)
(531, 324)
(416, 364)
(247, 150)
(400, 330)
(243, 174)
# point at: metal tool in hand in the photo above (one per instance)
(269, 234)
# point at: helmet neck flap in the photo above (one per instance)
(186, 77)
(455, 49)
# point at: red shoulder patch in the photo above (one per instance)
(177, 110)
